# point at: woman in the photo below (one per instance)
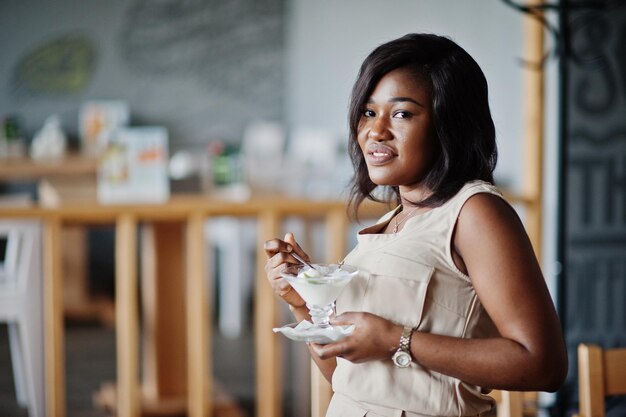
(450, 301)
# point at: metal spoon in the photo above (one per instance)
(302, 261)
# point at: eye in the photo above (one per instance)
(368, 113)
(402, 114)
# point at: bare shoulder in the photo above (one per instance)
(487, 227)
(500, 260)
(484, 211)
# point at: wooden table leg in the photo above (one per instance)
(53, 316)
(126, 317)
(268, 347)
(198, 322)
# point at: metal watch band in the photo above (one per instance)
(405, 339)
(402, 358)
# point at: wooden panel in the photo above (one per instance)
(591, 381)
(163, 304)
(178, 207)
(510, 404)
(268, 346)
(77, 300)
(126, 317)
(53, 316)
(199, 321)
(615, 371)
(72, 165)
(496, 395)
(74, 258)
(533, 106)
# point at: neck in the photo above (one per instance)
(408, 199)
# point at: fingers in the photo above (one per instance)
(330, 350)
(274, 246)
(289, 244)
(291, 240)
(343, 348)
(373, 338)
(277, 252)
(279, 260)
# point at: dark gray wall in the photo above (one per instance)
(595, 279)
(203, 69)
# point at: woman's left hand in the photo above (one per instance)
(373, 338)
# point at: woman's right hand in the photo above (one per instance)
(278, 259)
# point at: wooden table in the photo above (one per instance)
(177, 224)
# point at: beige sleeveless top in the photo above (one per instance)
(410, 278)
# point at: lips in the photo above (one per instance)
(377, 154)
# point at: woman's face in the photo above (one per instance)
(395, 132)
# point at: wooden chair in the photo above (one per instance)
(601, 373)
(508, 404)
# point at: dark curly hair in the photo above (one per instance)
(462, 122)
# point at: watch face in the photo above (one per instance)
(402, 359)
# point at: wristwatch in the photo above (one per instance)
(402, 357)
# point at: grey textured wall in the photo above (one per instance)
(202, 68)
(595, 277)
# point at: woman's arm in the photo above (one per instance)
(530, 355)
(277, 252)
(495, 250)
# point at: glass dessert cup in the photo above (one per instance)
(319, 288)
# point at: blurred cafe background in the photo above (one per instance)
(131, 106)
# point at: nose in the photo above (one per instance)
(379, 130)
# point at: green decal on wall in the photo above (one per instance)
(60, 66)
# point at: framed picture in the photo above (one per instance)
(98, 119)
(133, 166)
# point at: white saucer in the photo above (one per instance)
(304, 332)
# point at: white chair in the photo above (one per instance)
(21, 306)
(315, 165)
(234, 240)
